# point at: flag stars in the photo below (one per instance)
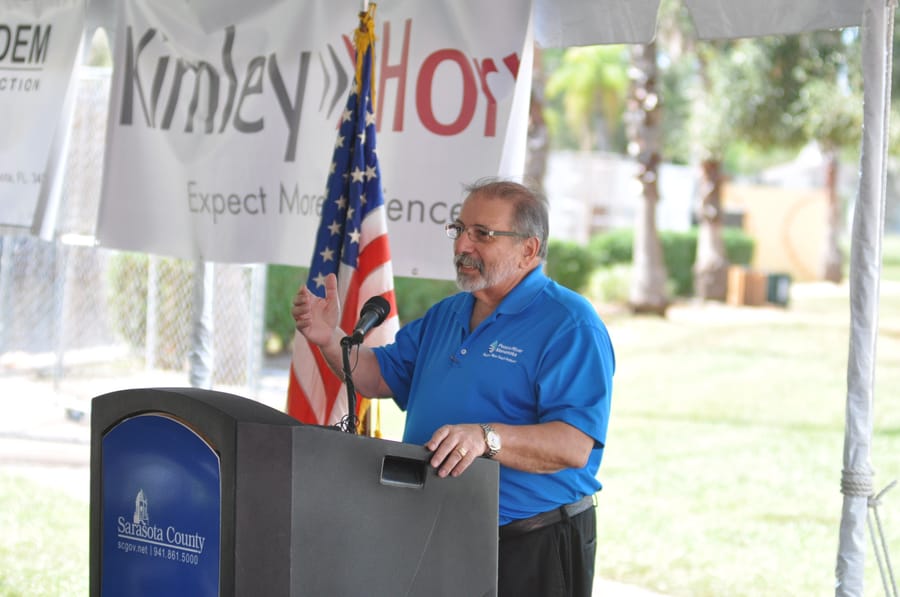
(339, 238)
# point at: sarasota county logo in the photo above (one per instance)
(503, 352)
(143, 536)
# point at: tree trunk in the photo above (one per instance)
(711, 265)
(538, 144)
(832, 257)
(647, 293)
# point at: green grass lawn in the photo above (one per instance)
(890, 261)
(723, 462)
(722, 469)
(44, 545)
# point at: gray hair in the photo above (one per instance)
(530, 213)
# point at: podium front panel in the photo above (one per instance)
(371, 517)
(161, 510)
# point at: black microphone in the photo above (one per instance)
(372, 315)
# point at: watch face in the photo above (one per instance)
(493, 440)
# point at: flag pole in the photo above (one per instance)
(357, 253)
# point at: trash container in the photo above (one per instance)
(778, 289)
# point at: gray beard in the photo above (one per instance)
(488, 277)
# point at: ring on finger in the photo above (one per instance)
(462, 452)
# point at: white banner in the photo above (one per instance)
(223, 118)
(40, 41)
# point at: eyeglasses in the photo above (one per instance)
(477, 234)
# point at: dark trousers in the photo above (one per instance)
(554, 561)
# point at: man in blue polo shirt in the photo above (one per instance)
(516, 368)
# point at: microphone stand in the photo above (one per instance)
(373, 313)
(350, 422)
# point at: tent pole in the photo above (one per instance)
(865, 274)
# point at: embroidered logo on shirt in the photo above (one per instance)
(503, 352)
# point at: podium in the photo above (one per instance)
(196, 492)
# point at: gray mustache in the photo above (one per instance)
(468, 261)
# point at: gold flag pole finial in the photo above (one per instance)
(362, 39)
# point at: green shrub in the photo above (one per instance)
(175, 281)
(611, 247)
(610, 284)
(570, 264)
(282, 283)
(739, 246)
(416, 295)
(679, 252)
(128, 288)
(127, 299)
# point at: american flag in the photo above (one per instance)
(352, 242)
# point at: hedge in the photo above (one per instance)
(569, 263)
(282, 282)
(679, 252)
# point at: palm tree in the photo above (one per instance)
(538, 143)
(647, 293)
(591, 82)
(833, 117)
(805, 88)
(653, 131)
(711, 133)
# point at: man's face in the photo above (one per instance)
(482, 261)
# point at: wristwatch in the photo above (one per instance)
(491, 440)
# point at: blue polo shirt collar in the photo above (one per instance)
(518, 299)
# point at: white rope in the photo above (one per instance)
(879, 544)
(857, 483)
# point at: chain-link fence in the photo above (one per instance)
(91, 320)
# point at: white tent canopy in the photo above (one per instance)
(561, 23)
(587, 22)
